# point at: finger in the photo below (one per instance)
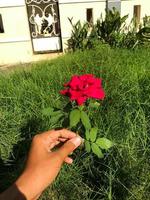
(53, 144)
(69, 146)
(54, 135)
(68, 160)
(63, 133)
(62, 139)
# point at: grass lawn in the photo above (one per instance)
(124, 115)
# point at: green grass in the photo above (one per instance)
(124, 173)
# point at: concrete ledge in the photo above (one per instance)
(34, 58)
(12, 3)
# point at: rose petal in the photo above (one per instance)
(96, 93)
(81, 100)
(66, 84)
(98, 82)
(74, 94)
(80, 88)
(64, 92)
(75, 81)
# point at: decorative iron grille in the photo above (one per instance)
(43, 18)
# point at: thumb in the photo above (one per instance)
(69, 146)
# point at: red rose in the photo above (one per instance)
(80, 88)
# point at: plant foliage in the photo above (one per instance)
(112, 30)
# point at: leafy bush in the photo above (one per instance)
(111, 30)
(144, 34)
(146, 21)
(80, 36)
(129, 37)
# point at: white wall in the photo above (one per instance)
(80, 1)
(78, 12)
(127, 7)
(9, 3)
(15, 42)
(15, 24)
(15, 52)
(145, 6)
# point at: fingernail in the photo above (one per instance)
(76, 141)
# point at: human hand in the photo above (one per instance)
(43, 164)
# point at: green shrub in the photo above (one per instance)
(146, 21)
(79, 37)
(111, 30)
(144, 35)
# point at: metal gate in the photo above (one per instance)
(43, 16)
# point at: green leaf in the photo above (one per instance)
(96, 150)
(104, 143)
(87, 134)
(85, 120)
(58, 104)
(55, 119)
(93, 134)
(87, 146)
(81, 108)
(94, 105)
(58, 112)
(74, 117)
(47, 111)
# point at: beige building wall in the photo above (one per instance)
(15, 43)
(76, 9)
(127, 8)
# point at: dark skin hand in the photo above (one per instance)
(43, 164)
